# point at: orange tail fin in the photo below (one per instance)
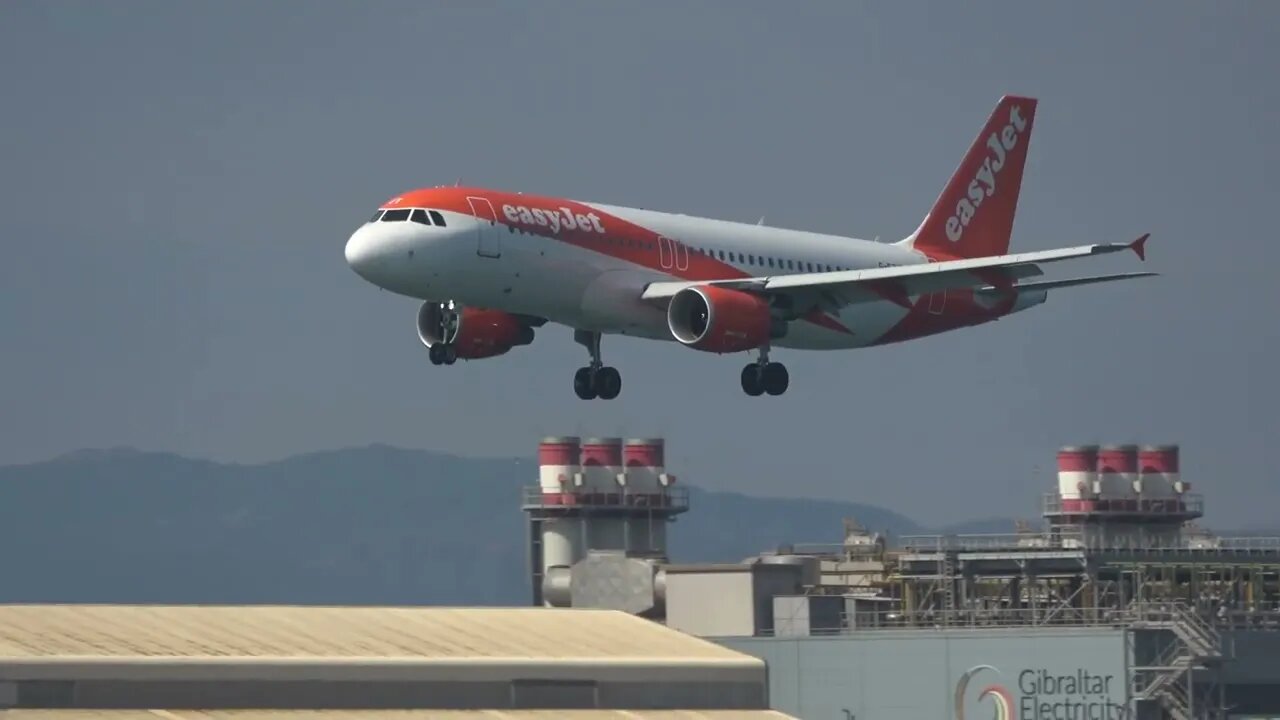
(973, 217)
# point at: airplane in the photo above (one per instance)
(491, 266)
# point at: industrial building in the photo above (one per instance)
(1119, 607)
(83, 658)
(391, 715)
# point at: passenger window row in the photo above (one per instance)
(419, 215)
(779, 263)
(726, 256)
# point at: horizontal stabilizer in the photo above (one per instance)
(1072, 282)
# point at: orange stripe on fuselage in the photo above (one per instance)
(558, 219)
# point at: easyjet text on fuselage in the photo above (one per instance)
(561, 218)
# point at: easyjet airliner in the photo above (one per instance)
(493, 265)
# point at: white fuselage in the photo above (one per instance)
(489, 255)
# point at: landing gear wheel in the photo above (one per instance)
(775, 378)
(607, 382)
(436, 354)
(751, 384)
(763, 376)
(450, 354)
(583, 385)
(595, 380)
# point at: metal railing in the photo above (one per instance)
(1196, 643)
(968, 619)
(1247, 542)
(1186, 504)
(666, 500)
(1191, 627)
(1199, 630)
(1154, 682)
(1059, 540)
(1247, 620)
(1092, 541)
(834, 550)
(1175, 701)
(985, 541)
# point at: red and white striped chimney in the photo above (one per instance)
(1077, 472)
(1159, 473)
(601, 465)
(1118, 475)
(557, 466)
(645, 465)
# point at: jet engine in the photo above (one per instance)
(452, 331)
(721, 320)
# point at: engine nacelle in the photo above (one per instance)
(721, 320)
(473, 332)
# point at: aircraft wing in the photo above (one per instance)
(899, 284)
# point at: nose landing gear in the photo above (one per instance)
(596, 380)
(443, 331)
(762, 376)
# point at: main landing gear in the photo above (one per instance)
(596, 380)
(442, 354)
(763, 376)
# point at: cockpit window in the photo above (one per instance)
(437, 218)
(376, 216)
(420, 216)
(396, 215)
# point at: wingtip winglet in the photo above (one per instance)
(1139, 247)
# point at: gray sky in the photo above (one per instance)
(177, 181)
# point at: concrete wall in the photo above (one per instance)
(726, 600)
(913, 675)
(690, 606)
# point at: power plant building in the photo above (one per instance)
(392, 715)
(1120, 607)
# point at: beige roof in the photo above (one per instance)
(35, 632)
(393, 715)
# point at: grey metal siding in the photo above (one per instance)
(914, 674)
(1254, 658)
(732, 612)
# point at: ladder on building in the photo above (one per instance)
(1169, 681)
(947, 576)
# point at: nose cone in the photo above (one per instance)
(363, 253)
(384, 255)
(359, 251)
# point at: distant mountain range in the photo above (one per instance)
(375, 525)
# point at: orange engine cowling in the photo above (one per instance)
(473, 332)
(719, 320)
